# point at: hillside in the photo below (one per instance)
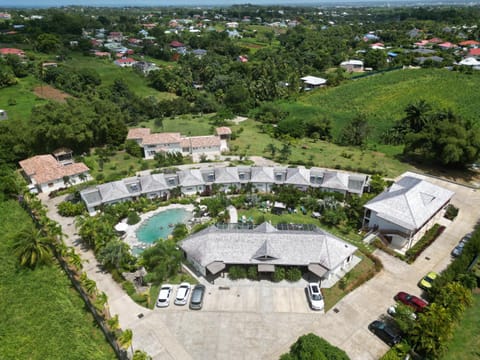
(383, 97)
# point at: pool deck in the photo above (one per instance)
(130, 236)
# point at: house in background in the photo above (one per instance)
(125, 62)
(312, 82)
(45, 173)
(406, 210)
(352, 65)
(153, 143)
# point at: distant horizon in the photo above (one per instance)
(42, 4)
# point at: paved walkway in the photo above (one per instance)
(261, 322)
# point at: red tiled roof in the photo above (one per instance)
(474, 52)
(447, 45)
(435, 41)
(469, 43)
(137, 133)
(223, 130)
(162, 138)
(12, 51)
(44, 168)
(204, 141)
(125, 61)
(176, 44)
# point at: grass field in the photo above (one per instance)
(187, 124)
(383, 97)
(42, 316)
(109, 73)
(465, 344)
(23, 96)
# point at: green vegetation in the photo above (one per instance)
(433, 233)
(39, 306)
(465, 343)
(310, 346)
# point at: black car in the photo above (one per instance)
(196, 300)
(385, 332)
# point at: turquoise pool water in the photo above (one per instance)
(159, 226)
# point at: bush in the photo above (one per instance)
(133, 218)
(67, 208)
(129, 288)
(451, 212)
(252, 272)
(429, 237)
(279, 274)
(237, 272)
(293, 274)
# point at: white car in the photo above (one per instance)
(315, 296)
(182, 293)
(164, 295)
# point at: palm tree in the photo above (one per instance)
(140, 355)
(285, 152)
(32, 248)
(74, 259)
(114, 254)
(101, 303)
(125, 339)
(417, 115)
(89, 285)
(113, 323)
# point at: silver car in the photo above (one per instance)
(315, 296)
(196, 300)
(182, 293)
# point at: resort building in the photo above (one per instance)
(212, 250)
(153, 143)
(406, 210)
(46, 173)
(225, 179)
(352, 65)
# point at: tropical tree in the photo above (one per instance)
(89, 285)
(417, 115)
(126, 339)
(114, 254)
(114, 323)
(356, 132)
(141, 355)
(312, 347)
(285, 152)
(74, 259)
(101, 302)
(432, 331)
(455, 298)
(272, 149)
(32, 247)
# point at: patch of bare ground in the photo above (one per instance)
(50, 93)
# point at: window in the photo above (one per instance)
(368, 212)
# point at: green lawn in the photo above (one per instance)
(42, 316)
(187, 124)
(251, 141)
(109, 72)
(465, 344)
(22, 94)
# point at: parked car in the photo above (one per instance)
(182, 293)
(393, 311)
(413, 301)
(385, 332)
(164, 295)
(457, 250)
(427, 280)
(196, 300)
(315, 296)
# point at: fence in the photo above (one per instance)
(119, 352)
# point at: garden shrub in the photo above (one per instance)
(279, 274)
(252, 272)
(451, 212)
(429, 237)
(67, 208)
(293, 274)
(237, 272)
(133, 218)
(128, 287)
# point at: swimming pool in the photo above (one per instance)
(161, 225)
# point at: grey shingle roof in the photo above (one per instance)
(155, 182)
(298, 176)
(192, 177)
(262, 174)
(226, 175)
(410, 202)
(113, 191)
(278, 246)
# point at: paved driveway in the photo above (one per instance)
(262, 322)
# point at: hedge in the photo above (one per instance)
(430, 236)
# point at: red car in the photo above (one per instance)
(413, 301)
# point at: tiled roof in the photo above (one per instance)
(276, 247)
(223, 130)
(191, 177)
(474, 52)
(44, 168)
(162, 138)
(204, 141)
(11, 51)
(138, 133)
(410, 202)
